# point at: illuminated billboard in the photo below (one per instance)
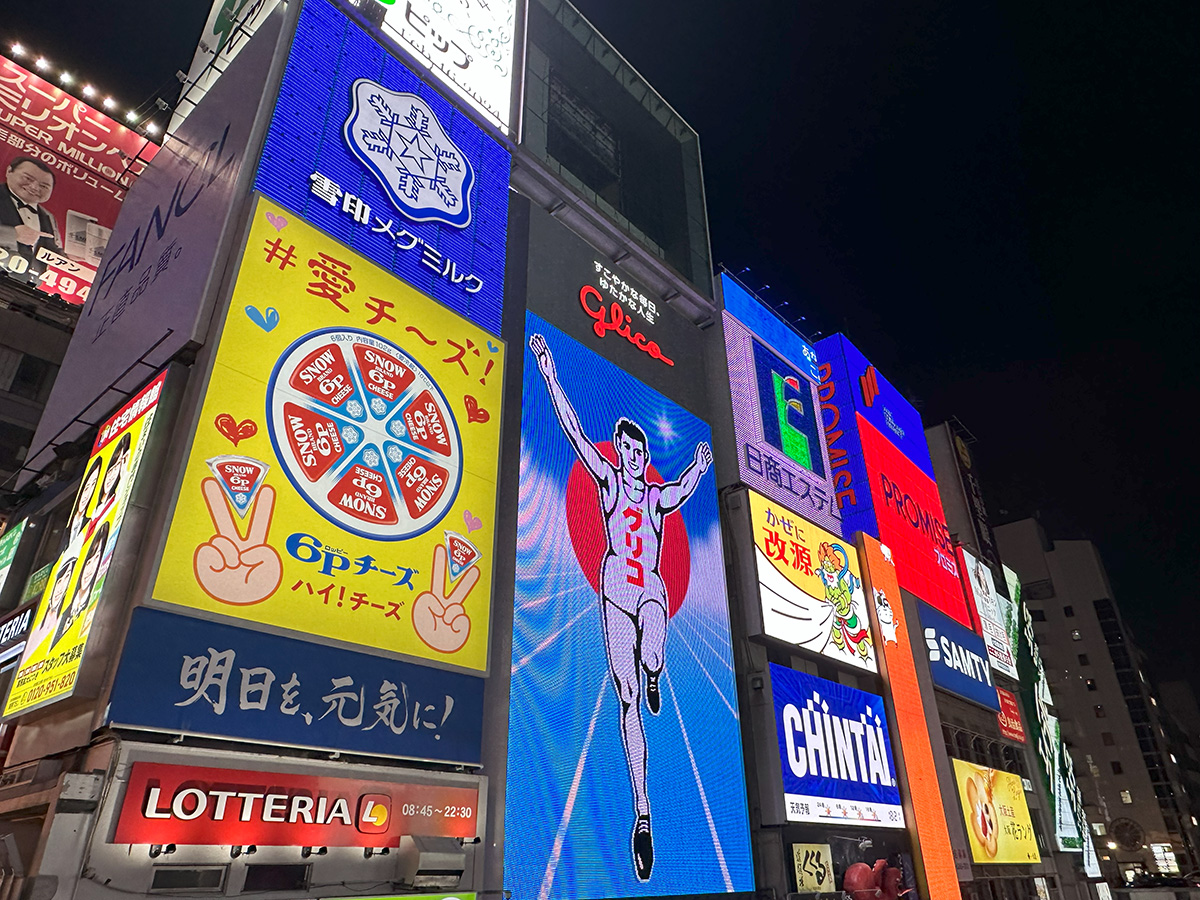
(66, 169)
(836, 752)
(914, 749)
(342, 478)
(56, 645)
(466, 46)
(997, 816)
(624, 746)
(809, 586)
(958, 658)
(776, 412)
(8, 550)
(362, 148)
(995, 612)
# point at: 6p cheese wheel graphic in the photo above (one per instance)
(364, 434)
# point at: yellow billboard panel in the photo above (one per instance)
(997, 816)
(54, 650)
(810, 585)
(342, 478)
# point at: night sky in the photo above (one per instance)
(998, 202)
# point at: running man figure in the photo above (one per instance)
(633, 598)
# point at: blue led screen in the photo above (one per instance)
(362, 148)
(621, 625)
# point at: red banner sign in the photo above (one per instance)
(1009, 716)
(167, 804)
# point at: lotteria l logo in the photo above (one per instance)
(373, 813)
(398, 137)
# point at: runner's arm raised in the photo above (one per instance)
(674, 495)
(586, 451)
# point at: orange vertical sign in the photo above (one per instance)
(910, 733)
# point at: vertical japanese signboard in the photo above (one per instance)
(776, 413)
(8, 550)
(995, 611)
(342, 479)
(66, 169)
(810, 586)
(362, 148)
(55, 648)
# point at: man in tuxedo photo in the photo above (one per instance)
(26, 226)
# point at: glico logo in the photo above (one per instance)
(839, 459)
(821, 744)
(398, 137)
(922, 520)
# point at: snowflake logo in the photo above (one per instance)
(394, 453)
(371, 457)
(240, 499)
(398, 137)
(378, 406)
(355, 409)
(396, 428)
(350, 435)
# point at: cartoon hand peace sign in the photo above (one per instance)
(440, 621)
(233, 569)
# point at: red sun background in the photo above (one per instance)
(586, 527)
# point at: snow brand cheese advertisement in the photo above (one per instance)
(342, 479)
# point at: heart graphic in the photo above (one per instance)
(474, 412)
(235, 431)
(474, 523)
(277, 222)
(264, 320)
(492, 348)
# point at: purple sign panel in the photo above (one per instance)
(777, 425)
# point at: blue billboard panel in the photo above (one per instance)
(362, 148)
(850, 375)
(624, 753)
(747, 309)
(191, 676)
(958, 658)
(836, 753)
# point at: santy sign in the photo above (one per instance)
(167, 804)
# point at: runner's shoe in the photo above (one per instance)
(653, 695)
(643, 848)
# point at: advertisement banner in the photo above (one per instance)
(190, 676)
(342, 479)
(1009, 716)
(973, 494)
(55, 648)
(169, 804)
(149, 298)
(8, 550)
(623, 720)
(14, 629)
(994, 612)
(362, 148)
(765, 324)
(777, 421)
(814, 868)
(467, 46)
(810, 586)
(66, 168)
(997, 816)
(836, 752)
(914, 748)
(958, 659)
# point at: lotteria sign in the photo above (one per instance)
(184, 805)
(958, 658)
(836, 754)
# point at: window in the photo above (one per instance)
(1083, 660)
(1038, 615)
(1069, 611)
(1100, 713)
(1126, 797)
(1099, 829)
(1107, 739)
(1116, 767)
(1091, 684)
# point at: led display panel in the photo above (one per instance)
(994, 611)
(810, 586)
(348, 453)
(911, 741)
(8, 549)
(958, 658)
(362, 148)
(836, 752)
(1009, 717)
(624, 753)
(776, 412)
(998, 823)
(56, 645)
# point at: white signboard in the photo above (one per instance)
(995, 613)
(468, 45)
